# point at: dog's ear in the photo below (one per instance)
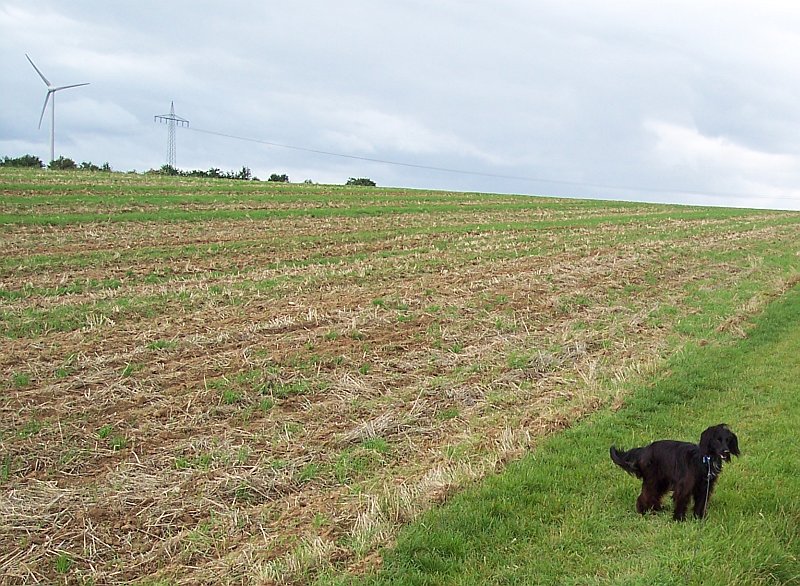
(734, 444)
(733, 441)
(705, 440)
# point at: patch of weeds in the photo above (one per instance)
(331, 336)
(492, 301)
(20, 380)
(6, 466)
(537, 361)
(355, 463)
(278, 464)
(445, 414)
(129, 369)
(320, 521)
(115, 442)
(457, 347)
(162, 345)
(203, 461)
(67, 368)
(435, 335)
(395, 304)
(31, 428)
(573, 303)
(202, 538)
(458, 452)
(365, 368)
(199, 462)
(452, 311)
(12, 295)
(118, 442)
(243, 493)
(309, 472)
(231, 396)
(157, 277)
(505, 326)
(242, 455)
(518, 360)
(631, 289)
(376, 444)
(356, 335)
(403, 317)
(68, 457)
(292, 427)
(284, 390)
(265, 404)
(63, 563)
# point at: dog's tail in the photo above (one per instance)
(628, 461)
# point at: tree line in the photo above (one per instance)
(243, 174)
(61, 163)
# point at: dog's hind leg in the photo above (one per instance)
(649, 499)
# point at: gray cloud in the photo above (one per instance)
(681, 96)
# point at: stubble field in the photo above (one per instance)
(239, 382)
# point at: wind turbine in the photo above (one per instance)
(51, 93)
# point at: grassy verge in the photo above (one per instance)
(564, 514)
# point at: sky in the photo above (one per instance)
(676, 101)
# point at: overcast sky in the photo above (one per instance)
(615, 99)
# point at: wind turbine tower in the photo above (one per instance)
(51, 96)
(172, 121)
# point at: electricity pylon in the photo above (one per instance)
(172, 121)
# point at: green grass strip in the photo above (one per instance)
(565, 514)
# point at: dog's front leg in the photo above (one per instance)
(701, 494)
(681, 499)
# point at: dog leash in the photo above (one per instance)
(709, 476)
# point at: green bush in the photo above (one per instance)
(62, 164)
(23, 161)
(361, 181)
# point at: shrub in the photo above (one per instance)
(360, 181)
(62, 163)
(244, 174)
(23, 161)
(279, 178)
(89, 166)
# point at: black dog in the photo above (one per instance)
(688, 470)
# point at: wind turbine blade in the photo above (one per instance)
(44, 79)
(45, 107)
(64, 87)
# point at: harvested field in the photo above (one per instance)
(239, 382)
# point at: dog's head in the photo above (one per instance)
(719, 441)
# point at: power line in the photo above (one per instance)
(497, 175)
